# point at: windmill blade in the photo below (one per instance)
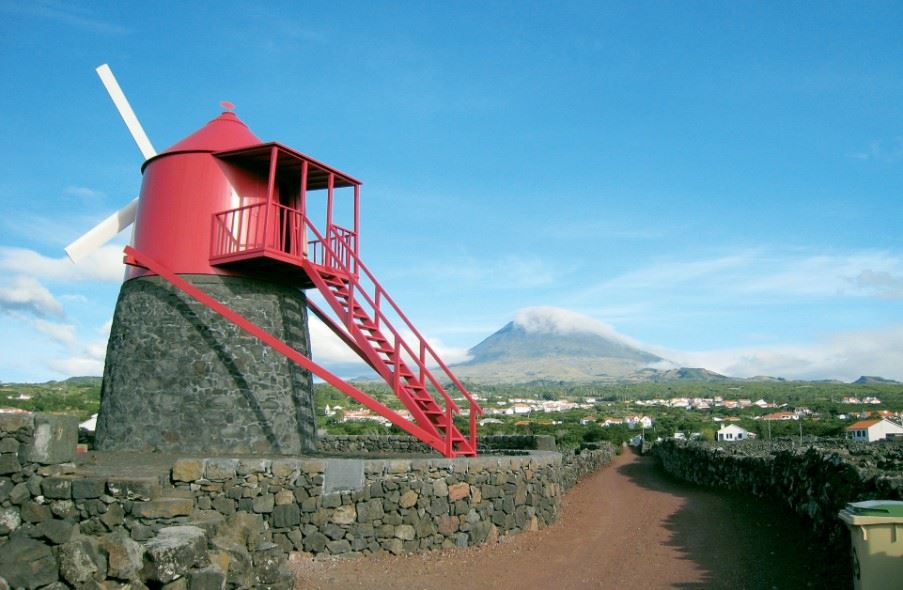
(103, 232)
(125, 111)
(107, 229)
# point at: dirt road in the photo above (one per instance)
(626, 526)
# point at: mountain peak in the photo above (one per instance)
(547, 343)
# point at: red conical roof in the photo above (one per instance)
(226, 132)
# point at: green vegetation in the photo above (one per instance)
(81, 397)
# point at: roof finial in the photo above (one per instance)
(227, 105)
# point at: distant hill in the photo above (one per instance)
(546, 349)
(866, 380)
(681, 374)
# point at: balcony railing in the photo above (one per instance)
(277, 229)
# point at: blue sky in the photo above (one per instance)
(720, 183)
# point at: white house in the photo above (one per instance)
(872, 430)
(732, 433)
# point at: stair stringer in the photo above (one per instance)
(356, 339)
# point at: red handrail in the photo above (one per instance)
(381, 294)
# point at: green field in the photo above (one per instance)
(81, 397)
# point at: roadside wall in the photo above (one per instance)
(816, 482)
(231, 522)
(379, 444)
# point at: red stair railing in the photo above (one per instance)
(341, 259)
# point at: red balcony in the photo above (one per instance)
(276, 239)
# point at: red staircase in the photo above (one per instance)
(361, 304)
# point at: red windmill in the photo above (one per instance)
(221, 205)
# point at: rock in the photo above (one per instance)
(56, 531)
(9, 445)
(188, 470)
(405, 532)
(125, 557)
(114, 516)
(268, 560)
(82, 561)
(263, 504)
(9, 463)
(242, 529)
(134, 488)
(220, 469)
(64, 509)
(408, 499)
(224, 505)
(440, 488)
(458, 491)
(6, 486)
(19, 493)
(173, 552)
(331, 501)
(56, 488)
(13, 423)
(163, 508)
(233, 559)
(208, 578)
(9, 520)
(287, 515)
(89, 487)
(344, 514)
(315, 543)
(54, 441)
(34, 512)
(284, 497)
(338, 547)
(26, 563)
(370, 510)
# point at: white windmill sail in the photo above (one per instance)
(107, 229)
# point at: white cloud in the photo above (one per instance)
(326, 347)
(78, 366)
(563, 321)
(777, 274)
(61, 333)
(882, 150)
(83, 192)
(842, 355)
(27, 294)
(880, 283)
(329, 350)
(65, 13)
(104, 264)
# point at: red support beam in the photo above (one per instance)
(271, 188)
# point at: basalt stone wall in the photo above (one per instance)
(361, 444)
(402, 444)
(231, 522)
(60, 528)
(338, 506)
(815, 481)
(179, 377)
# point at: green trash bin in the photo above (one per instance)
(876, 532)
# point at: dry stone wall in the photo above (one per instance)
(230, 522)
(816, 480)
(378, 444)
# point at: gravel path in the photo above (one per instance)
(626, 526)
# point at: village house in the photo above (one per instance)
(732, 433)
(873, 430)
(780, 416)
